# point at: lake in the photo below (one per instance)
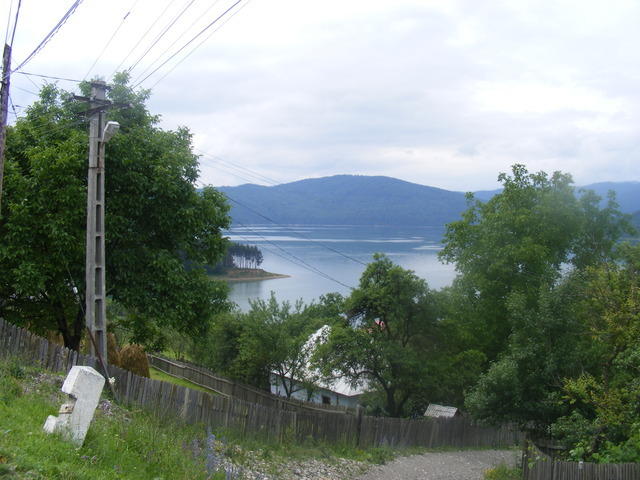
(323, 259)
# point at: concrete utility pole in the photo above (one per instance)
(4, 108)
(99, 135)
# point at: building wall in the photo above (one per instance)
(334, 398)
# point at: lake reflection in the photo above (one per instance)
(323, 259)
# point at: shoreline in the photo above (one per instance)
(247, 275)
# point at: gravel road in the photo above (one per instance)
(461, 465)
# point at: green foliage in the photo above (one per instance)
(518, 241)
(549, 296)
(269, 338)
(546, 345)
(604, 399)
(155, 219)
(388, 340)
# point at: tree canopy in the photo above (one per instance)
(387, 338)
(521, 240)
(156, 221)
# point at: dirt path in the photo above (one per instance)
(461, 465)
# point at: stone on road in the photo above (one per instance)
(459, 465)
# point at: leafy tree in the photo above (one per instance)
(604, 399)
(519, 242)
(387, 339)
(156, 221)
(547, 344)
(271, 337)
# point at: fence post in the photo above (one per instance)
(358, 425)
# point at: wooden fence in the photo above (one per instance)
(539, 466)
(276, 423)
(224, 386)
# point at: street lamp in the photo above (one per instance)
(110, 129)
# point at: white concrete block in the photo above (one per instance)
(84, 386)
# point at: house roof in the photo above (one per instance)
(435, 410)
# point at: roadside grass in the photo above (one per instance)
(120, 444)
(503, 472)
(160, 375)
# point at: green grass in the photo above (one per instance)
(160, 375)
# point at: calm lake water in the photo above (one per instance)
(323, 259)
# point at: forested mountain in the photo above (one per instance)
(627, 193)
(345, 200)
(366, 200)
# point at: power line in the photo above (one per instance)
(300, 262)
(6, 32)
(200, 44)
(111, 39)
(25, 90)
(15, 23)
(178, 38)
(48, 37)
(28, 74)
(270, 220)
(256, 176)
(142, 37)
(294, 231)
(13, 107)
(189, 42)
(161, 34)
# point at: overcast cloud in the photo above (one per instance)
(442, 93)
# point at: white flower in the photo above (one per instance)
(112, 381)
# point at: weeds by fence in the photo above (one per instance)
(539, 466)
(273, 423)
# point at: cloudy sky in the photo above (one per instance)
(442, 93)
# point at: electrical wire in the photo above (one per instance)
(294, 231)
(111, 39)
(48, 37)
(298, 261)
(178, 38)
(6, 32)
(15, 23)
(200, 44)
(25, 90)
(28, 74)
(144, 35)
(270, 220)
(257, 176)
(13, 107)
(160, 35)
(189, 42)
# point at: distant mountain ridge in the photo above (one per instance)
(369, 200)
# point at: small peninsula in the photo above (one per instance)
(246, 275)
(242, 264)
